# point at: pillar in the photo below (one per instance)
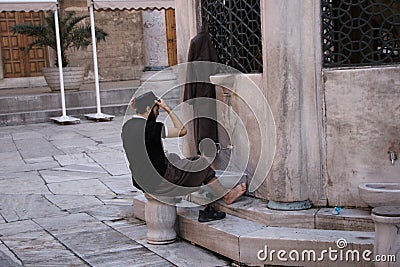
(155, 39)
(186, 29)
(292, 80)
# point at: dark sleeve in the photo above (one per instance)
(192, 52)
(154, 131)
(188, 92)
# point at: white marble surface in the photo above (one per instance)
(56, 201)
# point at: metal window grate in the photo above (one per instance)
(360, 32)
(235, 28)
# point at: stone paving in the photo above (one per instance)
(66, 200)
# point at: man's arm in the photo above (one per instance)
(178, 130)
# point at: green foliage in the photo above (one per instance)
(74, 33)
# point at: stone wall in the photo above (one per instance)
(362, 124)
(241, 99)
(121, 56)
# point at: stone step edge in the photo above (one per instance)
(241, 240)
(74, 108)
(59, 109)
(315, 218)
(67, 92)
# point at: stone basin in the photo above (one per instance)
(380, 194)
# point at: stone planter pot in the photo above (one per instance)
(73, 78)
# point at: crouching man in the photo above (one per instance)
(152, 172)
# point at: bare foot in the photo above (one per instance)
(235, 193)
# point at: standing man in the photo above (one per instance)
(202, 49)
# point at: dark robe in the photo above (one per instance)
(202, 49)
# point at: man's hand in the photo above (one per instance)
(160, 102)
(178, 130)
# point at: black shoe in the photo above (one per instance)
(210, 214)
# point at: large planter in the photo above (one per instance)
(73, 78)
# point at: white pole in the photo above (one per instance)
(95, 66)
(59, 58)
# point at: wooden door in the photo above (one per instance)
(171, 37)
(16, 62)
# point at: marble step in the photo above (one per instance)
(247, 241)
(48, 101)
(316, 218)
(27, 117)
(82, 98)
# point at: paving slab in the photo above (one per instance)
(109, 139)
(11, 160)
(13, 175)
(122, 200)
(90, 187)
(88, 149)
(135, 257)
(22, 207)
(179, 253)
(7, 145)
(35, 148)
(20, 166)
(110, 212)
(69, 223)
(24, 184)
(54, 134)
(65, 174)
(73, 203)
(131, 227)
(16, 228)
(79, 158)
(119, 184)
(74, 142)
(116, 169)
(5, 133)
(97, 243)
(26, 135)
(105, 158)
(39, 166)
(83, 167)
(44, 251)
(40, 160)
(7, 258)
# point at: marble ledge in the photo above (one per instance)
(230, 80)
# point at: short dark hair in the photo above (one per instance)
(140, 103)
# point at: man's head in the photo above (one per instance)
(145, 104)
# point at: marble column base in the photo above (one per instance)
(296, 205)
(160, 219)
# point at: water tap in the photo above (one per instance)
(392, 156)
(220, 148)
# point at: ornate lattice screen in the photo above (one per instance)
(360, 32)
(235, 28)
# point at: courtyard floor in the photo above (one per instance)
(66, 200)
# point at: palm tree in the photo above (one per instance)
(73, 34)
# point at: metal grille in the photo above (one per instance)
(360, 32)
(235, 28)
